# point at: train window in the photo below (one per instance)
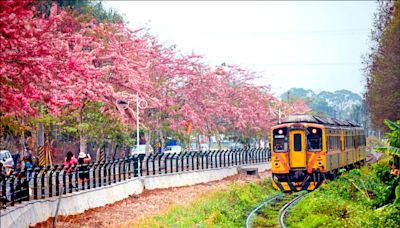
(280, 140)
(297, 142)
(314, 139)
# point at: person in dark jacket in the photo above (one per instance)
(83, 160)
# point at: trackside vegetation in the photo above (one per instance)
(228, 208)
(359, 198)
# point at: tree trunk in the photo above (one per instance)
(22, 142)
(218, 140)
(82, 137)
(209, 142)
(147, 136)
(162, 144)
(189, 143)
(198, 142)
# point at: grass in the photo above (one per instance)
(227, 208)
(359, 198)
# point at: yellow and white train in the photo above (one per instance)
(307, 149)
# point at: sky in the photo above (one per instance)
(315, 45)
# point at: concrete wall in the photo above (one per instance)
(32, 212)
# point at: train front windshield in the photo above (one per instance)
(280, 140)
(314, 139)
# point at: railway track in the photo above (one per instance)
(285, 208)
(274, 203)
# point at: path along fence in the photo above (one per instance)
(45, 182)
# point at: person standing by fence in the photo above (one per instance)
(84, 160)
(70, 160)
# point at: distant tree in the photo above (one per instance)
(90, 8)
(382, 65)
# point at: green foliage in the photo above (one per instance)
(359, 198)
(382, 65)
(397, 192)
(329, 104)
(393, 137)
(96, 126)
(216, 209)
(9, 125)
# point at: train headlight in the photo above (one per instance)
(280, 131)
(319, 162)
(314, 131)
(276, 163)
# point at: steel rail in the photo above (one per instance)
(267, 201)
(285, 208)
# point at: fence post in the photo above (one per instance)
(64, 179)
(135, 165)
(12, 189)
(114, 176)
(110, 163)
(89, 168)
(192, 154)
(197, 160)
(57, 168)
(77, 171)
(128, 169)
(187, 161)
(125, 159)
(43, 190)
(18, 189)
(224, 152)
(171, 167)
(105, 173)
(269, 154)
(3, 181)
(202, 159)
(141, 159)
(147, 165)
(50, 181)
(245, 156)
(176, 162)
(182, 161)
(207, 153)
(101, 166)
(221, 153)
(94, 174)
(211, 159)
(166, 163)
(159, 163)
(153, 163)
(69, 178)
(120, 163)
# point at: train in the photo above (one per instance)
(306, 150)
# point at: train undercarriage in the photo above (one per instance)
(298, 180)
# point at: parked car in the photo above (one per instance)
(203, 147)
(236, 146)
(172, 149)
(6, 158)
(141, 150)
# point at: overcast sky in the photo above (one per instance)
(314, 45)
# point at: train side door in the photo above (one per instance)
(297, 149)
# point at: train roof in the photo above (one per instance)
(319, 120)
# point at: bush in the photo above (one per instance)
(359, 198)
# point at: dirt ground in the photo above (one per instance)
(150, 202)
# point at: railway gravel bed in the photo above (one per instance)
(150, 202)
